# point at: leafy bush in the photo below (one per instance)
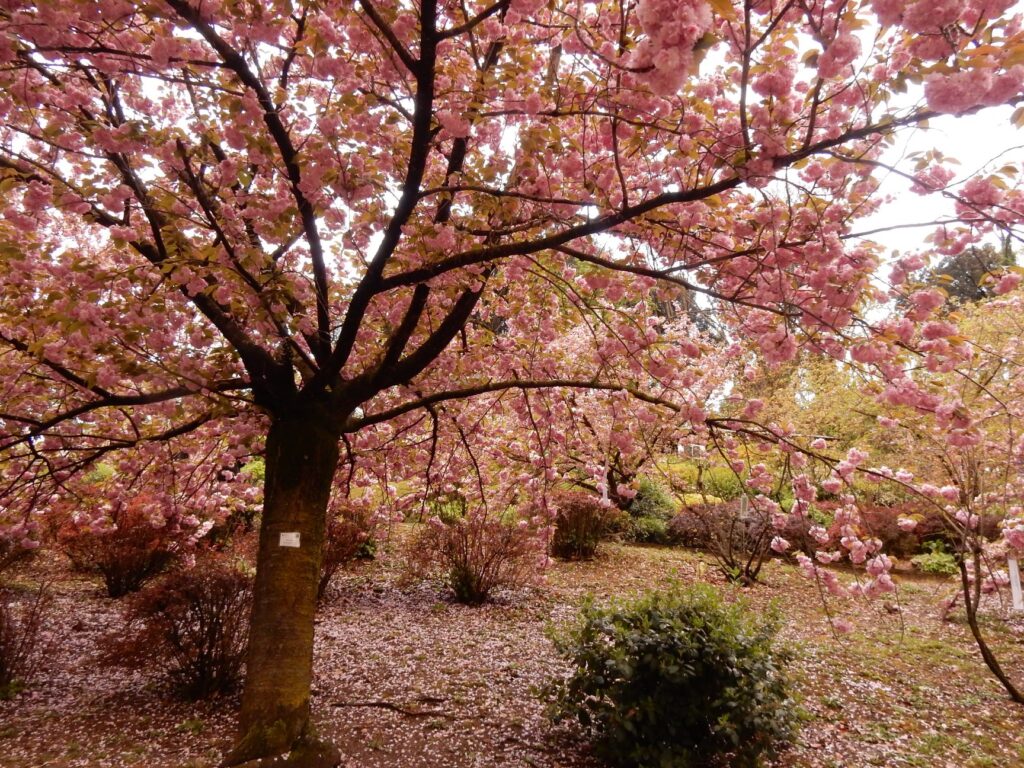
(673, 680)
(479, 553)
(350, 535)
(580, 523)
(648, 530)
(193, 623)
(652, 500)
(721, 482)
(649, 513)
(936, 560)
(21, 638)
(132, 551)
(448, 506)
(882, 522)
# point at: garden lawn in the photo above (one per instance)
(405, 678)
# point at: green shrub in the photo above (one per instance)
(674, 680)
(448, 507)
(648, 530)
(652, 500)
(681, 473)
(936, 560)
(721, 482)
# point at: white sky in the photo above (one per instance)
(982, 142)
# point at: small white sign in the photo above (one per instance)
(744, 507)
(1018, 599)
(290, 539)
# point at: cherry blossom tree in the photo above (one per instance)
(296, 228)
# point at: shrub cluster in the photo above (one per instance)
(882, 522)
(479, 552)
(580, 523)
(936, 560)
(194, 625)
(739, 544)
(351, 534)
(674, 679)
(717, 527)
(21, 637)
(721, 482)
(127, 554)
(649, 513)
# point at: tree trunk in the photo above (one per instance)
(971, 600)
(301, 456)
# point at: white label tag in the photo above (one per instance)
(290, 539)
(1018, 599)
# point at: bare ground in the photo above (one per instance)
(405, 678)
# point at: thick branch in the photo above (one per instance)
(421, 138)
(289, 156)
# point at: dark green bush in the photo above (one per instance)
(674, 680)
(652, 500)
(648, 530)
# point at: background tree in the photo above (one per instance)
(967, 276)
(288, 227)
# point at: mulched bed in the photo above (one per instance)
(405, 678)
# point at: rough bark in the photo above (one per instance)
(301, 457)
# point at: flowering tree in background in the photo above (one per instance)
(297, 228)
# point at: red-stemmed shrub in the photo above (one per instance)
(738, 542)
(351, 534)
(129, 549)
(479, 552)
(193, 624)
(581, 521)
(21, 637)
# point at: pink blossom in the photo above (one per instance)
(927, 301)
(878, 565)
(779, 544)
(838, 55)
(957, 92)
(949, 492)
(672, 29)
(625, 491)
(831, 484)
(456, 125)
(1008, 282)
(937, 330)
(753, 408)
